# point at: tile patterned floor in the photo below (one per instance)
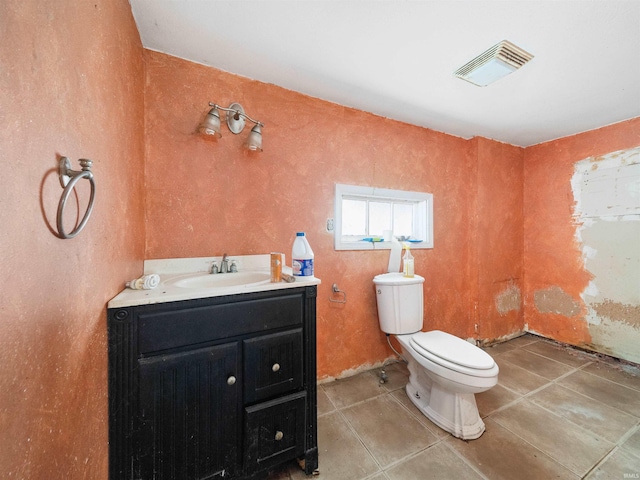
(555, 413)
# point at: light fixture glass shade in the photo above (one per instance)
(254, 142)
(491, 71)
(211, 124)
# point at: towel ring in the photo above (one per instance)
(68, 180)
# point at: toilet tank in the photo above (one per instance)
(400, 302)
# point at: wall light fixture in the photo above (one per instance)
(236, 119)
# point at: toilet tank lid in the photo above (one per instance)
(396, 278)
(453, 349)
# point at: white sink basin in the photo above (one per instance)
(220, 280)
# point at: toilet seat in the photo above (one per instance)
(453, 353)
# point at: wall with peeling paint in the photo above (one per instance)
(581, 240)
(606, 190)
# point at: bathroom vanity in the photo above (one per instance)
(220, 386)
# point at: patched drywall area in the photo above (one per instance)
(607, 211)
(509, 300)
(555, 300)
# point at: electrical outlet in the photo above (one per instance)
(330, 225)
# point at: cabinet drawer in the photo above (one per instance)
(273, 365)
(191, 326)
(274, 431)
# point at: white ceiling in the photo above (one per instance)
(395, 58)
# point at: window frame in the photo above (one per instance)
(422, 221)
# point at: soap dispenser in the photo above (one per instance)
(407, 262)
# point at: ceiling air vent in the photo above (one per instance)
(497, 62)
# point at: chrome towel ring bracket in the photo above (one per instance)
(68, 180)
(336, 290)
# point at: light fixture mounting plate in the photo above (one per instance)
(235, 121)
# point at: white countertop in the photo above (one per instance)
(173, 268)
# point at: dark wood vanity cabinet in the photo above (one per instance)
(221, 387)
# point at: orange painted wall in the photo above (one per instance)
(75, 80)
(552, 256)
(71, 77)
(209, 198)
(498, 220)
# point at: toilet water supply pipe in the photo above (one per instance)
(394, 350)
(383, 374)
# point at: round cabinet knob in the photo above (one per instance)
(276, 367)
(279, 435)
(231, 380)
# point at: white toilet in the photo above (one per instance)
(444, 371)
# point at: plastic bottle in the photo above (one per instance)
(394, 256)
(407, 263)
(302, 256)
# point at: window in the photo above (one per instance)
(366, 217)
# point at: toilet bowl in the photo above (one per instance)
(444, 391)
(445, 372)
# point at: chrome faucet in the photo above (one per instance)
(224, 265)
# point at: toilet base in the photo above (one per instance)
(457, 413)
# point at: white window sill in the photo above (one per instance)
(378, 245)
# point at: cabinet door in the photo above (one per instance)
(189, 414)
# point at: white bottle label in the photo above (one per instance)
(302, 268)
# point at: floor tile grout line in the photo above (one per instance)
(389, 393)
(338, 411)
(601, 403)
(463, 458)
(374, 475)
(630, 433)
(439, 440)
(558, 461)
(327, 395)
(602, 461)
(355, 433)
(595, 399)
(555, 382)
(553, 359)
(403, 459)
(394, 463)
(619, 441)
(360, 402)
(414, 415)
(573, 368)
(602, 377)
(548, 381)
(593, 360)
(581, 427)
(526, 397)
(406, 458)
